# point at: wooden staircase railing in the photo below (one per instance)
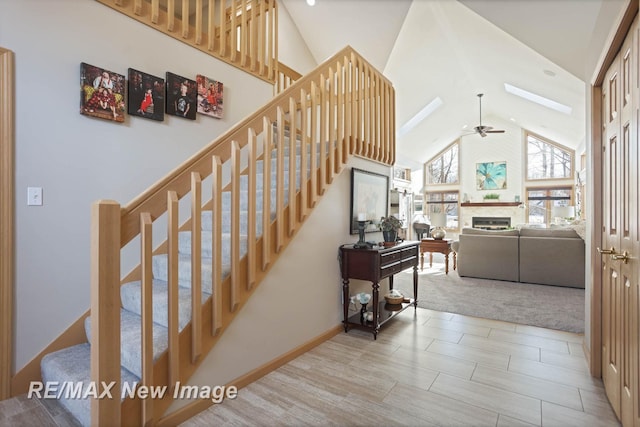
(344, 106)
(243, 33)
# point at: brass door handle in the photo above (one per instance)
(606, 251)
(624, 257)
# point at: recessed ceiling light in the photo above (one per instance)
(311, 2)
(465, 126)
(549, 73)
(422, 114)
(512, 119)
(545, 102)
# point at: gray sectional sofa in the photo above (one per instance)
(552, 256)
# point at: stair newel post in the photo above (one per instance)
(252, 208)
(146, 256)
(304, 140)
(313, 168)
(267, 131)
(196, 266)
(105, 309)
(324, 112)
(280, 146)
(293, 138)
(216, 249)
(172, 252)
(235, 224)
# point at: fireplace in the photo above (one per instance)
(491, 222)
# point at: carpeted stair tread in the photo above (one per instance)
(131, 295)
(72, 365)
(160, 270)
(130, 339)
(184, 244)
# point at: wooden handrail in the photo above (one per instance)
(342, 108)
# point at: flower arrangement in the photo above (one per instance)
(491, 196)
(390, 223)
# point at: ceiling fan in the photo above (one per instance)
(484, 130)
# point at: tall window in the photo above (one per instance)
(547, 160)
(444, 201)
(542, 201)
(443, 168)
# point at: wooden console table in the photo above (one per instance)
(442, 246)
(374, 265)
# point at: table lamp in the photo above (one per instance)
(439, 222)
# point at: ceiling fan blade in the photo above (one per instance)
(495, 131)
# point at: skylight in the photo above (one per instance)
(545, 102)
(422, 114)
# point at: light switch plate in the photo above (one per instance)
(34, 196)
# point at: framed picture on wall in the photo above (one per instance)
(181, 96)
(210, 96)
(491, 176)
(369, 199)
(101, 93)
(145, 95)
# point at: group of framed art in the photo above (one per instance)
(102, 95)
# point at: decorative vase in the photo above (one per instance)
(390, 236)
(438, 233)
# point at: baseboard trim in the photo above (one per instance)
(198, 406)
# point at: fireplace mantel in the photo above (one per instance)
(490, 204)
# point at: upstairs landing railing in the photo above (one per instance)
(345, 107)
(243, 33)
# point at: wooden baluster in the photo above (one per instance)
(271, 33)
(280, 146)
(185, 19)
(267, 130)
(216, 234)
(323, 134)
(137, 7)
(235, 223)
(155, 11)
(273, 37)
(196, 266)
(349, 84)
(233, 37)
(304, 143)
(105, 307)
(341, 155)
(262, 43)
(172, 253)
(223, 29)
(313, 169)
(146, 263)
(198, 35)
(354, 105)
(293, 136)
(392, 127)
(367, 111)
(252, 208)
(331, 134)
(211, 26)
(171, 16)
(244, 34)
(254, 34)
(386, 123)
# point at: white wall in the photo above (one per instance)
(78, 159)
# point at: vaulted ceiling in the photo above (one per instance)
(450, 51)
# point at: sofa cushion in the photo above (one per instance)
(481, 232)
(549, 232)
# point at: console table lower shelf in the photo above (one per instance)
(374, 265)
(385, 313)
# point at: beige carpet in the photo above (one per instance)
(550, 307)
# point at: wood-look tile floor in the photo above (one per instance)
(428, 368)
